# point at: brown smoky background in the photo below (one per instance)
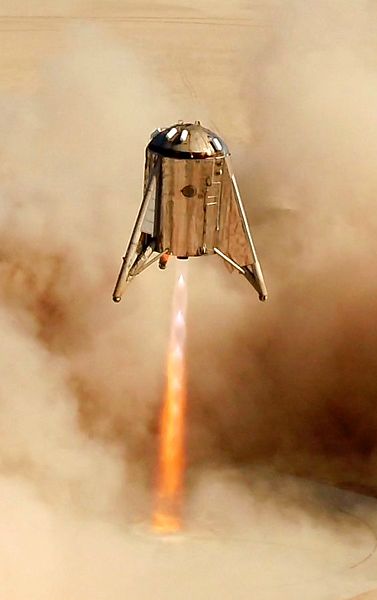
(289, 385)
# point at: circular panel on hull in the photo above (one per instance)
(189, 191)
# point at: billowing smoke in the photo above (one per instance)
(289, 384)
(79, 383)
(294, 381)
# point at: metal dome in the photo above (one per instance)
(187, 140)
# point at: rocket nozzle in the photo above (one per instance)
(162, 263)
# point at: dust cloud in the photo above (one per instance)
(294, 381)
(289, 384)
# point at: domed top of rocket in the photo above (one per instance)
(187, 140)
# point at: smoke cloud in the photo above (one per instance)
(293, 381)
(289, 384)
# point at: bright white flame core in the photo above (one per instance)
(179, 319)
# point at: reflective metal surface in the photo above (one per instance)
(191, 206)
(187, 140)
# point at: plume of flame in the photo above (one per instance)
(171, 459)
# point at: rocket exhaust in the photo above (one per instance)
(167, 516)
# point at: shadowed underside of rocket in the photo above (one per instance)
(191, 207)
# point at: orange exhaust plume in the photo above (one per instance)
(171, 460)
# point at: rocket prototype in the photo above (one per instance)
(191, 207)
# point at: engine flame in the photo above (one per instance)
(171, 460)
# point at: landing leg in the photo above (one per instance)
(133, 250)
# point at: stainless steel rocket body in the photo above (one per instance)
(191, 206)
